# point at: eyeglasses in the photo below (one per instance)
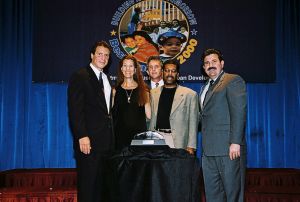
(173, 71)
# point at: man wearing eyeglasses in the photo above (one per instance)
(173, 110)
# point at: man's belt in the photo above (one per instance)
(164, 130)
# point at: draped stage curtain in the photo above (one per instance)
(34, 129)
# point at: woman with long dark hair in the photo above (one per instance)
(131, 102)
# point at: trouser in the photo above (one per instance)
(224, 179)
(91, 178)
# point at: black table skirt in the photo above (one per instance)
(144, 174)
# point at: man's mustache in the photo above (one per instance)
(210, 68)
(170, 77)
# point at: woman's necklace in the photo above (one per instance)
(128, 96)
(129, 85)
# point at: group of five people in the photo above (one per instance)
(104, 118)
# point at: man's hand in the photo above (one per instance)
(234, 151)
(85, 145)
(190, 150)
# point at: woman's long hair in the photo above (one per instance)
(142, 88)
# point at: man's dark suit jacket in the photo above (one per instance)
(88, 112)
(223, 116)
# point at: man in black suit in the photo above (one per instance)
(223, 104)
(89, 105)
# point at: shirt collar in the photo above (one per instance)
(161, 82)
(216, 77)
(97, 71)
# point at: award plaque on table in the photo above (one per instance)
(148, 138)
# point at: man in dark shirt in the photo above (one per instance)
(173, 110)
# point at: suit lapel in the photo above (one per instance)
(211, 92)
(99, 92)
(111, 94)
(178, 98)
(202, 88)
(201, 91)
(156, 98)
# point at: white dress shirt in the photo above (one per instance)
(202, 96)
(160, 83)
(106, 85)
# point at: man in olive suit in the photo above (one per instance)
(174, 110)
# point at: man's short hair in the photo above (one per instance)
(154, 57)
(212, 51)
(174, 62)
(100, 43)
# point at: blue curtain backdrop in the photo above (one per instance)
(34, 130)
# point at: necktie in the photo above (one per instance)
(101, 81)
(156, 85)
(106, 91)
(211, 82)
